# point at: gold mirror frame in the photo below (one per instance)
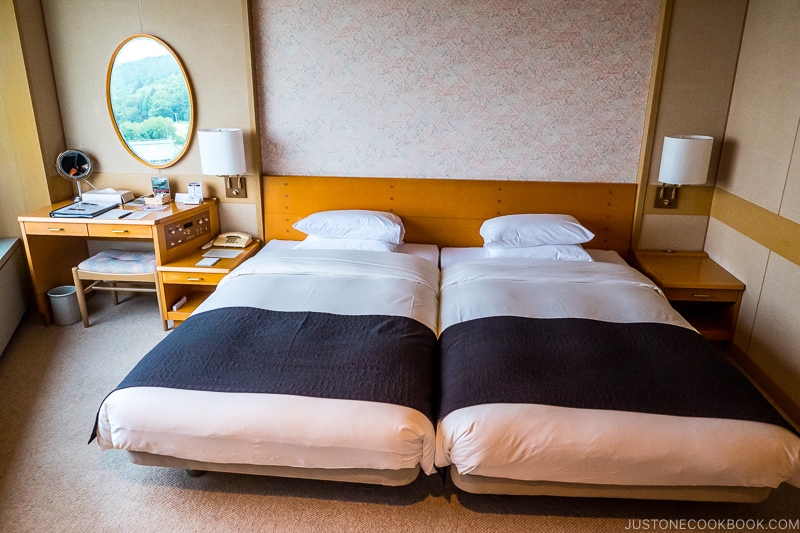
(159, 163)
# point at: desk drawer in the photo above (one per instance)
(55, 228)
(191, 278)
(127, 231)
(702, 295)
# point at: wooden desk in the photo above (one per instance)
(55, 245)
(704, 293)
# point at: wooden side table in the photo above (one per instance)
(704, 293)
(183, 278)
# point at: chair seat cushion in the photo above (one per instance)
(120, 262)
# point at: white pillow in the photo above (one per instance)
(315, 242)
(354, 224)
(560, 252)
(534, 230)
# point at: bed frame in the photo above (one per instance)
(448, 212)
(391, 478)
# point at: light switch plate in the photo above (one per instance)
(235, 187)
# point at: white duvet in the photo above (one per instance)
(547, 443)
(285, 430)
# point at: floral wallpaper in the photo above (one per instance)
(541, 90)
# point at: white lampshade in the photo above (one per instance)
(685, 159)
(221, 151)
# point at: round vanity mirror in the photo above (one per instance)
(150, 100)
(74, 165)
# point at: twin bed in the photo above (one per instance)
(517, 375)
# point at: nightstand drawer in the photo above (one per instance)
(191, 278)
(128, 231)
(55, 228)
(702, 295)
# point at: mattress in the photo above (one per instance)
(286, 430)
(533, 442)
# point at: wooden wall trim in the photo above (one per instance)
(769, 229)
(449, 212)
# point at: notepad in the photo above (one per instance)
(216, 252)
(207, 262)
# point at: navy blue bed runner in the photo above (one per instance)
(374, 358)
(589, 364)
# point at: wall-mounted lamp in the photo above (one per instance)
(222, 154)
(684, 161)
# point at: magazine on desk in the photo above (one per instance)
(82, 210)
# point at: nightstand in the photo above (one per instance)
(183, 277)
(704, 293)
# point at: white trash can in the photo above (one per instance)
(64, 301)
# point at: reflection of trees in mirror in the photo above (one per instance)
(151, 102)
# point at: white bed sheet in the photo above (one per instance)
(285, 430)
(547, 443)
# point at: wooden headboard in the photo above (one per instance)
(449, 212)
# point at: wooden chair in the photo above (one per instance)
(107, 268)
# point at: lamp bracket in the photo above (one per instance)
(235, 187)
(667, 197)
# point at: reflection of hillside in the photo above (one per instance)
(149, 87)
(131, 76)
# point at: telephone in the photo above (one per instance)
(233, 239)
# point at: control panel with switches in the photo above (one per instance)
(183, 231)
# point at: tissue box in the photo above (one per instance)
(158, 199)
(107, 196)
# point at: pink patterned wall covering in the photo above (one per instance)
(540, 90)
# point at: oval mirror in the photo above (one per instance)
(150, 100)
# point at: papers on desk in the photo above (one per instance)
(122, 213)
(136, 215)
(82, 210)
(115, 213)
(227, 254)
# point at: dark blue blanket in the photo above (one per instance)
(385, 359)
(589, 364)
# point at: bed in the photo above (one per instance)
(303, 363)
(576, 378)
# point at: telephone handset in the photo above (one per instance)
(233, 239)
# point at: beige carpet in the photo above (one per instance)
(53, 379)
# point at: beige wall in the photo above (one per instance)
(211, 37)
(30, 127)
(698, 73)
(754, 230)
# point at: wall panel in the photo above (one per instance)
(211, 37)
(775, 342)
(22, 174)
(747, 260)
(765, 105)
(550, 90)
